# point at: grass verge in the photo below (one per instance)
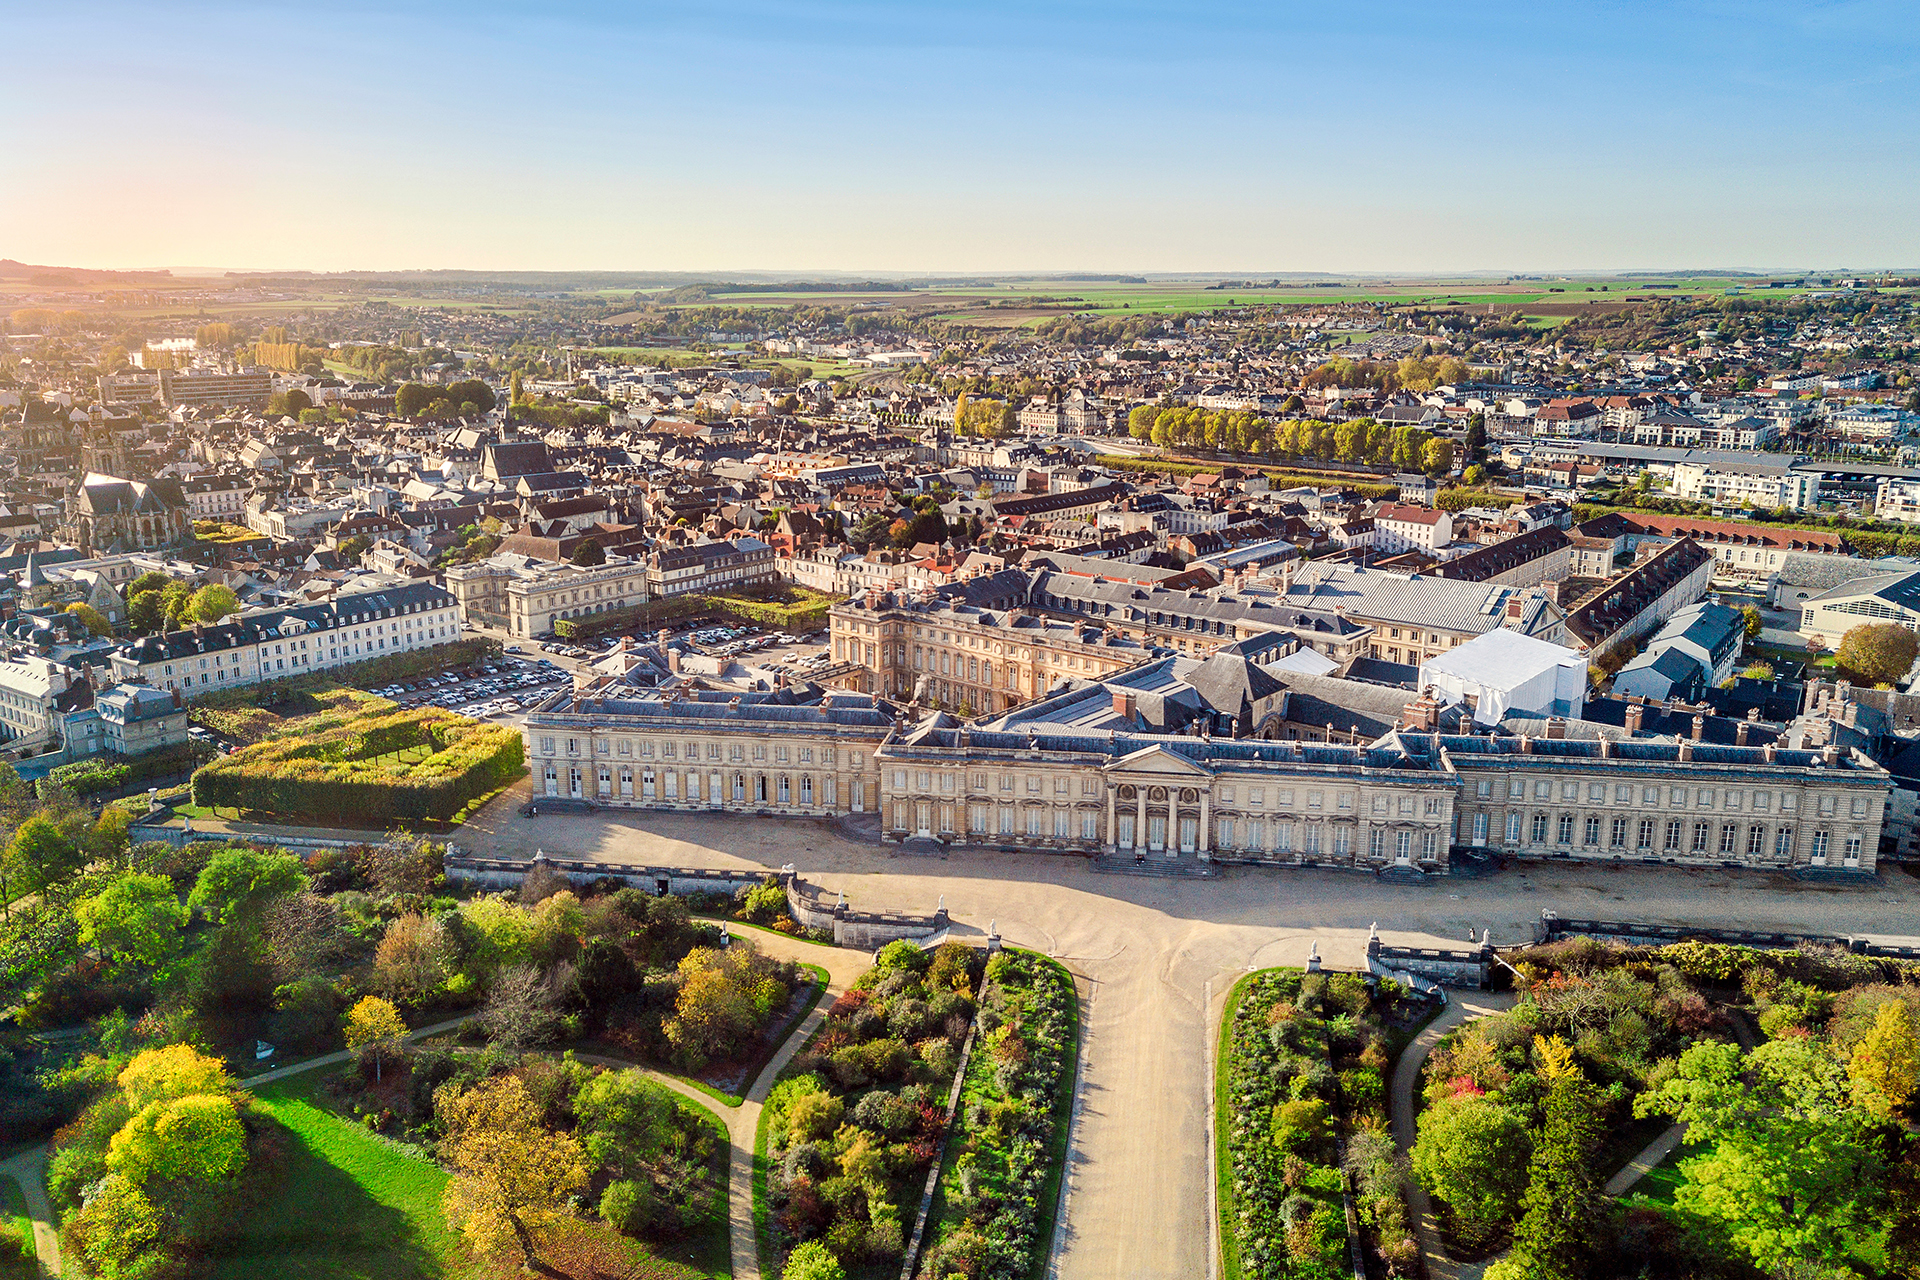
(1222, 1125)
(21, 1262)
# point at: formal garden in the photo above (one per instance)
(144, 977)
(848, 1133)
(1301, 1113)
(362, 761)
(1794, 1072)
(993, 1212)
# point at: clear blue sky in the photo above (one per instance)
(985, 136)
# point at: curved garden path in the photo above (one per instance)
(1462, 1006)
(743, 1122)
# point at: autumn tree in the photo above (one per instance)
(240, 882)
(1472, 1152)
(176, 1071)
(95, 622)
(410, 963)
(375, 1032)
(512, 1177)
(589, 553)
(1559, 1222)
(212, 603)
(1885, 1065)
(1881, 651)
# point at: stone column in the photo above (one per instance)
(1113, 820)
(1140, 820)
(1206, 829)
(1173, 822)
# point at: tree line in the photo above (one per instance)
(1362, 441)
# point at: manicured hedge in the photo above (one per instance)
(101, 773)
(324, 766)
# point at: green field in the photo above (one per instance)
(349, 1204)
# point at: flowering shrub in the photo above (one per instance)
(852, 1127)
(999, 1190)
(1304, 1067)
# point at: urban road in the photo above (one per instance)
(1154, 959)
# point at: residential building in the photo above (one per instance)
(709, 566)
(1641, 600)
(401, 616)
(1413, 617)
(138, 718)
(1399, 527)
(1765, 482)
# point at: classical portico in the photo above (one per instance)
(1159, 802)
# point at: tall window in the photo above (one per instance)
(1617, 837)
(1513, 828)
(1646, 833)
(1566, 828)
(1592, 834)
(1479, 828)
(1700, 834)
(1819, 850)
(1783, 843)
(1539, 828)
(1675, 831)
(1729, 839)
(1756, 841)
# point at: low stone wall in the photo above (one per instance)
(1446, 967)
(1638, 933)
(867, 930)
(180, 838)
(496, 873)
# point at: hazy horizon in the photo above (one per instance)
(923, 139)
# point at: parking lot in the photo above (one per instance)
(782, 652)
(502, 691)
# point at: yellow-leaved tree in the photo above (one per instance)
(176, 1071)
(1885, 1067)
(511, 1175)
(376, 1031)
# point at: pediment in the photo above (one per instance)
(1158, 761)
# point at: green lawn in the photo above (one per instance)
(350, 1204)
(13, 1211)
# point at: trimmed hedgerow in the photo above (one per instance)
(366, 761)
(100, 773)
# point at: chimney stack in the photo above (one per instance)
(1769, 750)
(1556, 726)
(1830, 754)
(1526, 745)
(1123, 703)
(1635, 714)
(1699, 727)
(673, 661)
(1686, 749)
(1740, 734)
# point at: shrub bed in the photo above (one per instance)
(1000, 1185)
(353, 763)
(1304, 1061)
(853, 1124)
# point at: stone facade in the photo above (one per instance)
(756, 753)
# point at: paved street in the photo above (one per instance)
(1147, 950)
